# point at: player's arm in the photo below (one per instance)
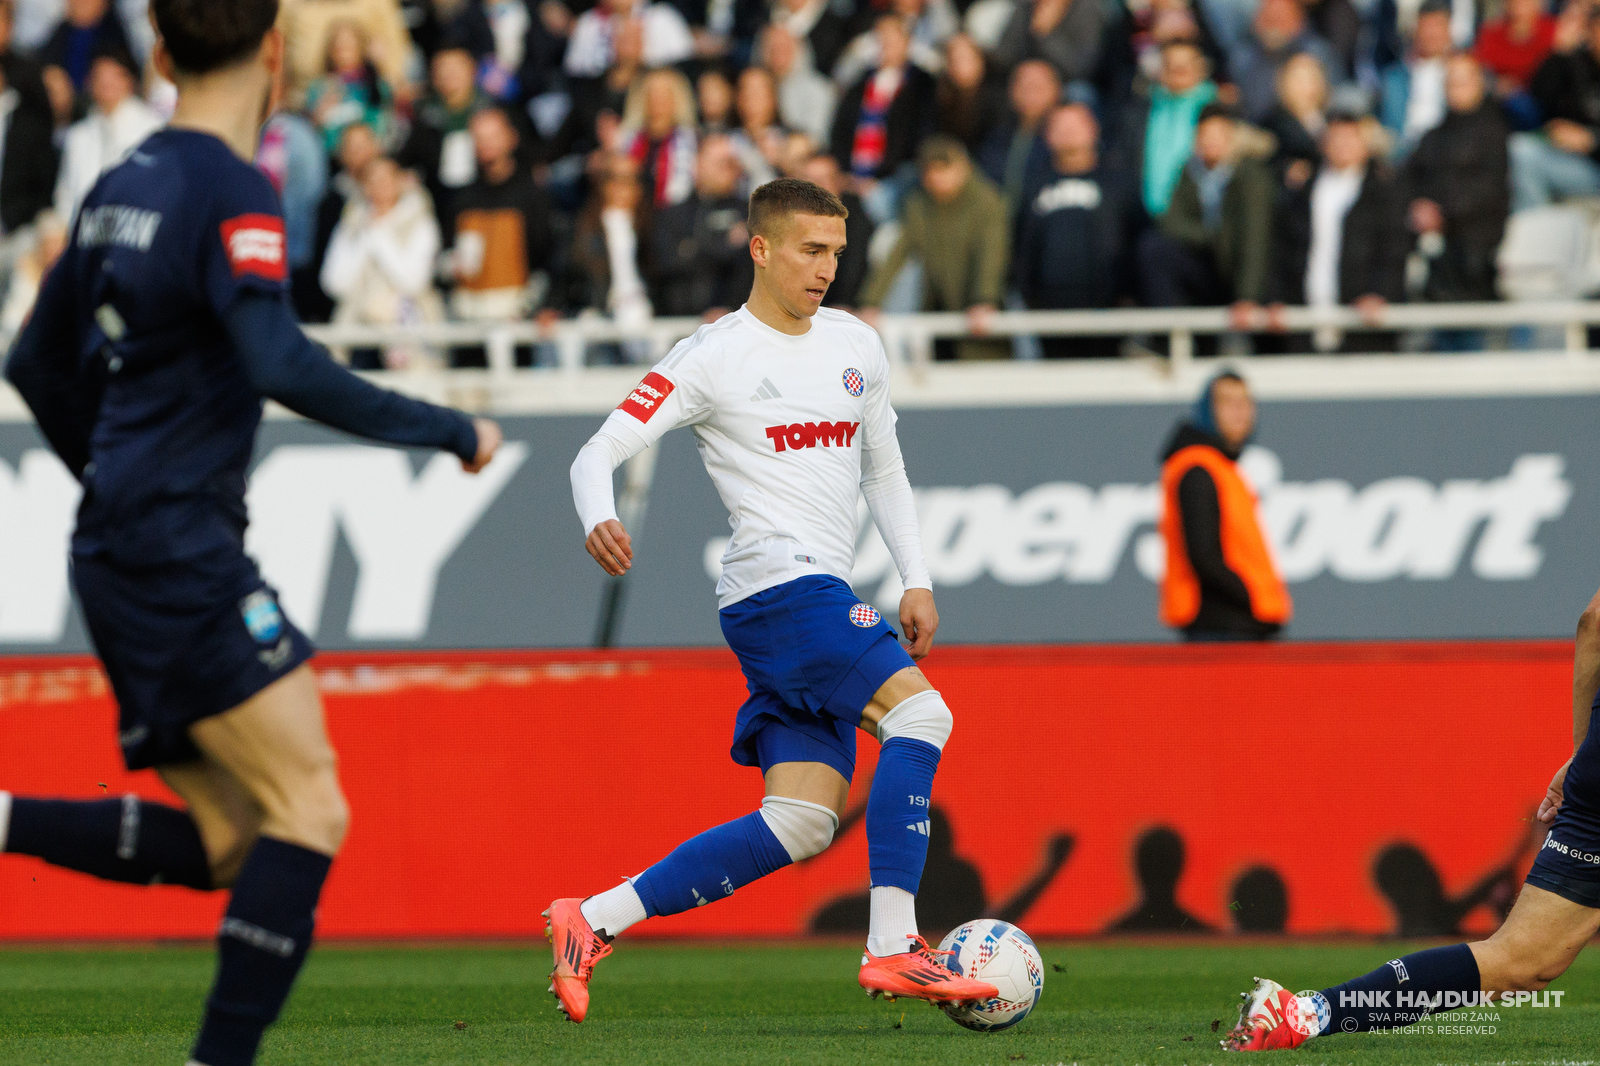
(894, 510)
(287, 366)
(1585, 688)
(662, 401)
(44, 367)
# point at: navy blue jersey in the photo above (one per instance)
(145, 372)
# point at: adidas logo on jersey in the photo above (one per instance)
(921, 827)
(767, 391)
(810, 434)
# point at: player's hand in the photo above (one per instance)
(1553, 795)
(489, 438)
(611, 547)
(919, 621)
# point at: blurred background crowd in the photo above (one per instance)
(495, 160)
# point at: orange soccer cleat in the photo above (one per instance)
(920, 974)
(577, 948)
(1272, 1018)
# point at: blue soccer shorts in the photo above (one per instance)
(181, 641)
(1569, 862)
(813, 657)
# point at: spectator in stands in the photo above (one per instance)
(1338, 23)
(88, 28)
(972, 105)
(379, 267)
(350, 90)
(1064, 33)
(517, 43)
(928, 23)
(1343, 239)
(501, 233)
(440, 147)
(291, 156)
(955, 228)
(759, 139)
(1214, 244)
(21, 71)
(1158, 134)
(606, 253)
(1156, 22)
(714, 97)
(1297, 119)
(1220, 582)
(658, 135)
(358, 149)
(851, 274)
(1511, 48)
(882, 118)
(816, 23)
(307, 24)
(605, 95)
(700, 249)
(805, 97)
(1564, 160)
(118, 122)
(590, 49)
(1458, 189)
(1413, 89)
(28, 159)
(1016, 149)
(1077, 231)
(1278, 32)
(46, 239)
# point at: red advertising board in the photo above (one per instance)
(485, 784)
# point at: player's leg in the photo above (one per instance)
(227, 817)
(275, 745)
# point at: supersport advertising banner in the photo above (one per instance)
(1301, 788)
(1392, 519)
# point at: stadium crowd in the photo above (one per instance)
(493, 160)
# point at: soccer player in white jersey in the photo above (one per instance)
(790, 405)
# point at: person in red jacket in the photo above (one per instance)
(1221, 582)
(1511, 48)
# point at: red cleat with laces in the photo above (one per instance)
(577, 948)
(1271, 1019)
(920, 974)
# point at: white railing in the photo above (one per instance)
(910, 337)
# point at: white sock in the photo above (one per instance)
(894, 921)
(5, 818)
(613, 910)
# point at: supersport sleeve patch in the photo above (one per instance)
(647, 397)
(257, 244)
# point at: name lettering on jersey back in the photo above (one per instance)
(117, 226)
(257, 244)
(813, 434)
(647, 397)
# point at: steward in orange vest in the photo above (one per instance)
(1222, 582)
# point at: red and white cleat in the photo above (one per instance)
(577, 948)
(920, 974)
(1271, 1019)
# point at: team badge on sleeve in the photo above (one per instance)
(257, 244)
(865, 615)
(854, 382)
(261, 616)
(647, 397)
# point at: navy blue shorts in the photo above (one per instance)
(182, 641)
(813, 657)
(1569, 862)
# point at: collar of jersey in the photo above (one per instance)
(777, 336)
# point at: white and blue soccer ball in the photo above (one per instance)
(1004, 956)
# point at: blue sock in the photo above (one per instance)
(897, 812)
(124, 839)
(261, 945)
(710, 866)
(1403, 990)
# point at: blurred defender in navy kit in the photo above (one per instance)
(152, 346)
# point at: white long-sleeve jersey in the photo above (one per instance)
(793, 431)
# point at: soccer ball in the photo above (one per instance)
(1003, 955)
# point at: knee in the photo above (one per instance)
(1524, 968)
(923, 717)
(803, 828)
(312, 812)
(226, 851)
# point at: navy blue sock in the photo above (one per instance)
(897, 812)
(261, 945)
(1403, 990)
(710, 866)
(128, 840)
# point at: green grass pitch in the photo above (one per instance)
(683, 1005)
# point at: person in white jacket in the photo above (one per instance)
(379, 266)
(118, 122)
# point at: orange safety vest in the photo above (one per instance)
(1244, 549)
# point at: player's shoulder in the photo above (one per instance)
(847, 329)
(708, 345)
